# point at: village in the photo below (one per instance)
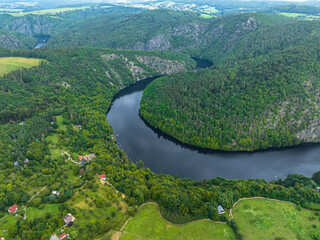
(68, 219)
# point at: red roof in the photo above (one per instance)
(13, 209)
(63, 235)
(102, 176)
(80, 157)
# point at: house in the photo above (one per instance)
(2, 238)
(16, 164)
(13, 209)
(26, 161)
(220, 210)
(103, 177)
(63, 235)
(56, 193)
(68, 219)
(318, 189)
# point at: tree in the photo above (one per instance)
(316, 177)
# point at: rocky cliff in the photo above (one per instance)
(16, 41)
(144, 65)
(33, 25)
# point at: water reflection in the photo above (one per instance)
(162, 153)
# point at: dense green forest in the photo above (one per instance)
(74, 84)
(292, 8)
(267, 101)
(16, 40)
(50, 24)
(219, 39)
(51, 114)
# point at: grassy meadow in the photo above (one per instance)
(267, 219)
(33, 212)
(149, 224)
(9, 64)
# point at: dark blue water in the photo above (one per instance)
(161, 153)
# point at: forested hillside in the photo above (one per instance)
(80, 84)
(267, 101)
(73, 89)
(218, 39)
(292, 8)
(16, 41)
(35, 24)
(266, 96)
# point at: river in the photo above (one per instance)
(163, 154)
(42, 40)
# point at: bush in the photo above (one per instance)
(316, 177)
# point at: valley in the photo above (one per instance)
(159, 120)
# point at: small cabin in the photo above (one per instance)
(220, 210)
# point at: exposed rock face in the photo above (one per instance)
(198, 35)
(251, 24)
(158, 42)
(33, 25)
(16, 41)
(311, 134)
(9, 42)
(164, 67)
(140, 66)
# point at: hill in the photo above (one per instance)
(292, 8)
(16, 41)
(49, 22)
(32, 101)
(185, 32)
(263, 102)
(56, 112)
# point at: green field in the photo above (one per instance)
(33, 212)
(293, 14)
(267, 219)
(149, 224)
(206, 16)
(47, 11)
(5, 224)
(9, 64)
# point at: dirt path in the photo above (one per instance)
(276, 200)
(25, 212)
(66, 153)
(116, 235)
(37, 194)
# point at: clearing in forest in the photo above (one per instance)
(148, 224)
(9, 64)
